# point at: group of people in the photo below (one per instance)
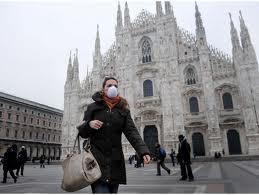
(13, 161)
(183, 158)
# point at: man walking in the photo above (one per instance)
(172, 155)
(161, 154)
(22, 158)
(42, 161)
(184, 158)
(10, 163)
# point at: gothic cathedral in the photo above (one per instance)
(175, 83)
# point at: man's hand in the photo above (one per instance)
(146, 159)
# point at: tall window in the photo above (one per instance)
(194, 106)
(48, 137)
(54, 137)
(146, 52)
(30, 135)
(148, 88)
(37, 135)
(190, 77)
(9, 116)
(43, 136)
(17, 117)
(1, 114)
(23, 134)
(15, 133)
(24, 119)
(227, 101)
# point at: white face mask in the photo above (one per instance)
(112, 92)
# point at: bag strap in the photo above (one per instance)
(86, 144)
(78, 144)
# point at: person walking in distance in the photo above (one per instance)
(161, 155)
(104, 122)
(172, 155)
(22, 158)
(184, 158)
(42, 161)
(10, 163)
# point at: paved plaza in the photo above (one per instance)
(210, 177)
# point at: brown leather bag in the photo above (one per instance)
(80, 169)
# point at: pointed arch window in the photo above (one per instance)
(147, 88)
(194, 105)
(146, 51)
(190, 77)
(227, 101)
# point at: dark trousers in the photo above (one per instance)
(21, 166)
(42, 165)
(173, 161)
(101, 187)
(162, 164)
(185, 166)
(5, 174)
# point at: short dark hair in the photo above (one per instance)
(108, 78)
(181, 136)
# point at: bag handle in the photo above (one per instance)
(78, 144)
(86, 144)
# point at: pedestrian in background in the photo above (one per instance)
(160, 157)
(104, 122)
(22, 158)
(172, 155)
(10, 163)
(184, 158)
(42, 161)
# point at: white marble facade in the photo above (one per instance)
(175, 83)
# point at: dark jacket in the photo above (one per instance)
(159, 155)
(42, 158)
(184, 151)
(10, 159)
(106, 143)
(22, 156)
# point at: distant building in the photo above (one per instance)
(30, 124)
(175, 82)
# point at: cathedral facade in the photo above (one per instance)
(175, 83)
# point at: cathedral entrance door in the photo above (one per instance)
(234, 145)
(151, 138)
(198, 144)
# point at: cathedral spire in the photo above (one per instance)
(248, 48)
(69, 69)
(126, 16)
(244, 34)
(234, 36)
(97, 42)
(119, 17)
(200, 30)
(97, 57)
(76, 66)
(159, 9)
(168, 8)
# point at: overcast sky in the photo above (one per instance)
(36, 37)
